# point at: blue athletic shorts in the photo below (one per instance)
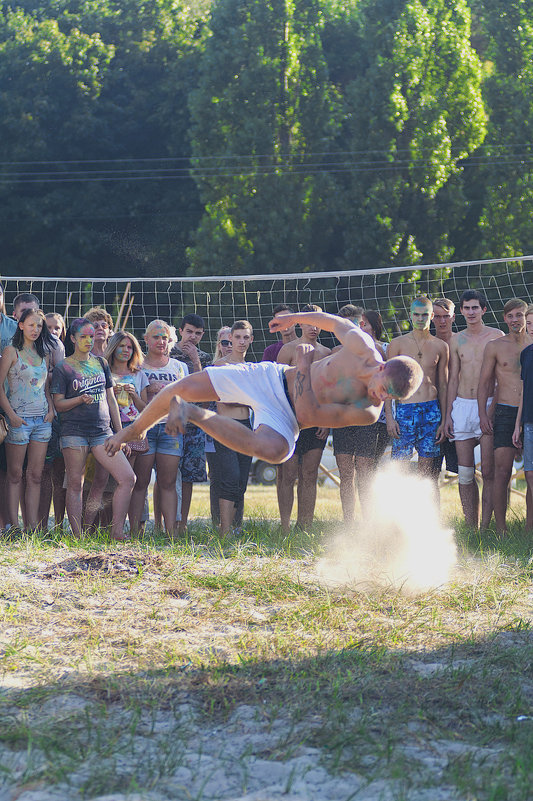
(418, 424)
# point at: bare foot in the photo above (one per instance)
(178, 417)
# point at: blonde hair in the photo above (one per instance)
(136, 358)
(445, 303)
(171, 331)
(218, 348)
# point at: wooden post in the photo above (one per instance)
(125, 295)
(67, 306)
(126, 318)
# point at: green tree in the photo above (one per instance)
(263, 120)
(99, 88)
(412, 111)
(501, 185)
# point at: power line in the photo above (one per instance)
(274, 170)
(229, 157)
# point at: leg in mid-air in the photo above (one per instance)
(265, 442)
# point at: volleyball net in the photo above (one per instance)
(221, 300)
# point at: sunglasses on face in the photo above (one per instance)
(99, 324)
(225, 342)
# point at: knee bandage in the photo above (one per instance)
(466, 474)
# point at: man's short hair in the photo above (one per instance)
(473, 294)
(281, 307)
(242, 325)
(529, 310)
(26, 297)
(350, 311)
(404, 375)
(446, 304)
(311, 307)
(192, 319)
(515, 303)
(99, 313)
(422, 300)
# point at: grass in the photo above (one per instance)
(115, 680)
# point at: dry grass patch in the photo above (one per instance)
(121, 665)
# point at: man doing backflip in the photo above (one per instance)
(346, 388)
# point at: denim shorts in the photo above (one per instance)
(161, 442)
(35, 429)
(527, 441)
(74, 441)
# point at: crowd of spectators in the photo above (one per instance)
(64, 390)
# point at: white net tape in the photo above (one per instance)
(222, 300)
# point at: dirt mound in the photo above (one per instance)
(131, 563)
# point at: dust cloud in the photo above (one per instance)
(401, 545)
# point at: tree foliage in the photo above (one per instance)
(261, 136)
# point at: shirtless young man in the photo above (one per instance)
(462, 418)
(303, 465)
(346, 388)
(501, 364)
(229, 469)
(419, 421)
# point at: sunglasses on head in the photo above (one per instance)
(225, 342)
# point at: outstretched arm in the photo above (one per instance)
(309, 412)
(347, 333)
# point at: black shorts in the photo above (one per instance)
(369, 441)
(448, 452)
(308, 441)
(54, 449)
(504, 423)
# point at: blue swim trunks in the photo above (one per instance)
(418, 424)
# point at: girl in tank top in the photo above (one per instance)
(29, 410)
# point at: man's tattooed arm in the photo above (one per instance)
(299, 382)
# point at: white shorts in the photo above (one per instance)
(465, 418)
(260, 386)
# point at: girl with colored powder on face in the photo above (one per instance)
(124, 356)
(164, 451)
(82, 389)
(30, 412)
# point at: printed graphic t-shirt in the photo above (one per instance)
(174, 370)
(73, 379)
